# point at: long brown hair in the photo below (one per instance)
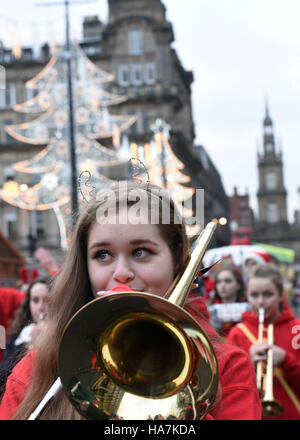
(72, 290)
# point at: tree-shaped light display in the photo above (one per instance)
(92, 121)
(165, 170)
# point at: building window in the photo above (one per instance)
(268, 129)
(30, 93)
(7, 139)
(92, 49)
(150, 73)
(8, 173)
(40, 225)
(2, 98)
(271, 181)
(136, 74)
(123, 75)
(11, 94)
(146, 121)
(135, 42)
(10, 222)
(273, 213)
(8, 97)
(7, 57)
(133, 128)
(27, 54)
(269, 147)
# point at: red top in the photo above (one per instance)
(10, 301)
(286, 336)
(240, 398)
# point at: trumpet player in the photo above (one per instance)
(266, 296)
(146, 256)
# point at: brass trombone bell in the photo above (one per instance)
(138, 351)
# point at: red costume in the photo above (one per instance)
(287, 377)
(240, 399)
(10, 301)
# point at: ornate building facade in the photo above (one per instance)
(272, 225)
(135, 45)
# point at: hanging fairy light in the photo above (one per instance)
(11, 188)
(23, 187)
(134, 150)
(223, 221)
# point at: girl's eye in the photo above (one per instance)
(141, 252)
(268, 294)
(103, 254)
(253, 295)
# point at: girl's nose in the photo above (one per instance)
(41, 307)
(260, 301)
(123, 272)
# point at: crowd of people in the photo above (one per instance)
(147, 257)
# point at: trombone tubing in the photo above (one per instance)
(183, 286)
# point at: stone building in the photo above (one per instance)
(242, 217)
(135, 45)
(272, 225)
(18, 224)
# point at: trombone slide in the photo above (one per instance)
(46, 400)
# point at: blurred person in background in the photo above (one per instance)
(25, 326)
(228, 300)
(10, 301)
(265, 290)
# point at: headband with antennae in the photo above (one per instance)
(135, 171)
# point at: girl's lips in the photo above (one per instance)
(121, 288)
(118, 288)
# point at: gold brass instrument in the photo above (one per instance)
(264, 373)
(137, 356)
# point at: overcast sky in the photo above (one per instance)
(240, 51)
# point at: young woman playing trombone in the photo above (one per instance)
(147, 257)
(270, 334)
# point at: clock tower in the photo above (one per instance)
(271, 193)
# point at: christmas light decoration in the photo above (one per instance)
(92, 121)
(165, 170)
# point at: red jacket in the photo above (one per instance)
(10, 301)
(240, 399)
(285, 337)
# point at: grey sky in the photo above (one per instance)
(239, 51)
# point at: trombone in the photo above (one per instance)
(137, 356)
(264, 372)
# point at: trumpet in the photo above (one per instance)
(137, 356)
(264, 372)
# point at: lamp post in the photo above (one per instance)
(74, 197)
(72, 137)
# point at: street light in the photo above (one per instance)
(223, 221)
